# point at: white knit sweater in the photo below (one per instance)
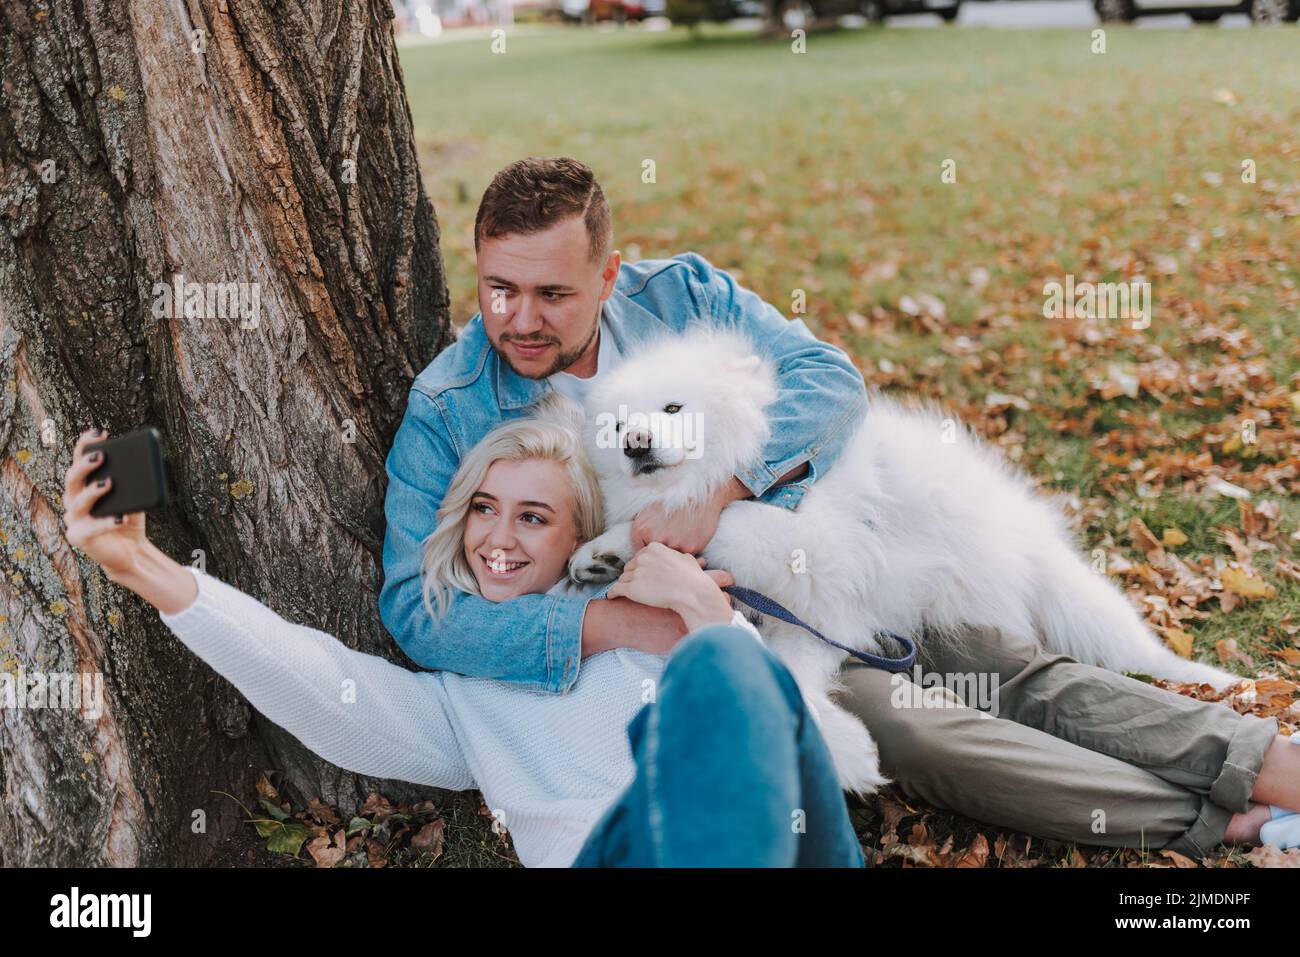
(549, 765)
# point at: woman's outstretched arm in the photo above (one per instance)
(355, 710)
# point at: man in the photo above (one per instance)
(558, 307)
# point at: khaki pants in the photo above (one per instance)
(1075, 753)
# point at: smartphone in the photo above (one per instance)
(135, 464)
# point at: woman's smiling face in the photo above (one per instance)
(520, 530)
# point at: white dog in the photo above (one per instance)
(918, 525)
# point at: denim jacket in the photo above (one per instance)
(536, 640)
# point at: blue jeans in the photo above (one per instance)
(731, 770)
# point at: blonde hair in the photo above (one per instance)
(552, 431)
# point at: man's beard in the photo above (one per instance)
(562, 361)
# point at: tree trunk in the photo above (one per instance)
(773, 23)
(228, 141)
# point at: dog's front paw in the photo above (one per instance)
(593, 566)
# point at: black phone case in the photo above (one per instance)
(134, 461)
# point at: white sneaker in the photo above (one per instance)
(1283, 831)
(1283, 827)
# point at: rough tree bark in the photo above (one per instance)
(248, 141)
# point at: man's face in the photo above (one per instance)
(542, 291)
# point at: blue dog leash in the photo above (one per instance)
(764, 605)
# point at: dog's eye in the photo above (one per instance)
(673, 408)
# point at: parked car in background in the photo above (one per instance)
(875, 11)
(1202, 11)
(642, 9)
(620, 11)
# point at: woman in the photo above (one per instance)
(707, 757)
(721, 727)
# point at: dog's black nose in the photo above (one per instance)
(636, 444)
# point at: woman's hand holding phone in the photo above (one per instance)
(113, 542)
(666, 578)
(119, 544)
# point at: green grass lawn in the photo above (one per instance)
(821, 171)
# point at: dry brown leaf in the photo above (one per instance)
(1288, 569)
(377, 808)
(322, 812)
(1272, 686)
(976, 855)
(431, 837)
(1178, 860)
(1241, 551)
(1246, 583)
(1145, 539)
(945, 851)
(1179, 640)
(1270, 855)
(325, 853)
(912, 853)
(893, 812)
(1227, 650)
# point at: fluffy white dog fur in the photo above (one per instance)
(917, 525)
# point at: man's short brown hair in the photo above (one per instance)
(537, 192)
